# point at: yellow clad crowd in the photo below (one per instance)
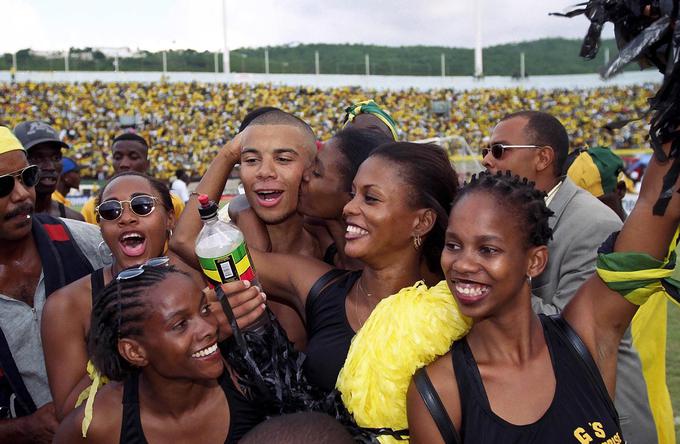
(186, 123)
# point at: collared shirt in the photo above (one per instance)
(21, 326)
(21, 323)
(551, 194)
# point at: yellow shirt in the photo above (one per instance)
(60, 198)
(90, 216)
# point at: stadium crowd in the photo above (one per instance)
(186, 123)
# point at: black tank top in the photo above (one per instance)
(243, 415)
(581, 410)
(97, 283)
(329, 255)
(329, 332)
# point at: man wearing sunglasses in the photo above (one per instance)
(38, 255)
(535, 145)
(43, 145)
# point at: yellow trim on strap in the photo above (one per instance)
(89, 394)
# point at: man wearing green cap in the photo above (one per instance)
(600, 172)
(38, 254)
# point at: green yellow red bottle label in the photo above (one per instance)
(230, 267)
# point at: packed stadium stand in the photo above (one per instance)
(186, 123)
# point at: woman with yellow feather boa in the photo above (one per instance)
(370, 329)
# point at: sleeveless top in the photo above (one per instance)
(581, 410)
(243, 415)
(329, 254)
(97, 283)
(328, 330)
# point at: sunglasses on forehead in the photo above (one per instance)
(497, 149)
(141, 205)
(28, 176)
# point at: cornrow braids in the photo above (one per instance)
(519, 193)
(119, 311)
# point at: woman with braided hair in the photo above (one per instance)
(521, 377)
(154, 334)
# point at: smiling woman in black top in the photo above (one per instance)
(517, 376)
(395, 224)
(155, 335)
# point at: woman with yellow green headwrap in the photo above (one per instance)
(368, 115)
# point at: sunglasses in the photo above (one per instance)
(133, 272)
(141, 205)
(497, 149)
(28, 176)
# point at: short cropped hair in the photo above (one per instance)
(543, 129)
(280, 117)
(299, 428)
(130, 137)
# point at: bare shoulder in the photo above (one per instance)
(75, 297)
(106, 419)
(421, 424)
(443, 378)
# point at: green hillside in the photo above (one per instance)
(545, 56)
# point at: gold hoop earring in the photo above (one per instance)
(417, 241)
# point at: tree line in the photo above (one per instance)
(542, 57)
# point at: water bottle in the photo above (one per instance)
(223, 254)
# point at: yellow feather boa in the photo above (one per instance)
(405, 331)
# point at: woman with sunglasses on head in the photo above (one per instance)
(136, 220)
(155, 335)
(521, 377)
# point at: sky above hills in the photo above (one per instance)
(197, 24)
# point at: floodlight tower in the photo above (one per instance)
(479, 65)
(225, 50)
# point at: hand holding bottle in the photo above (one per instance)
(247, 303)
